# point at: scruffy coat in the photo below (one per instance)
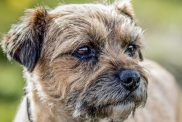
(62, 88)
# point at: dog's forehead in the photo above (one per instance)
(92, 22)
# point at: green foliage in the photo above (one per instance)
(1, 54)
(11, 90)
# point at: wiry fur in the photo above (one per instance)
(63, 88)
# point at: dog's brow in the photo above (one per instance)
(132, 36)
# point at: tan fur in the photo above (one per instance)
(63, 88)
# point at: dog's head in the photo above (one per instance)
(86, 57)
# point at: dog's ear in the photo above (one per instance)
(23, 42)
(124, 7)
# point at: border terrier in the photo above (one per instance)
(83, 63)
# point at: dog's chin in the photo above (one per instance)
(123, 109)
(117, 110)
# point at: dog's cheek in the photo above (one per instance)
(60, 77)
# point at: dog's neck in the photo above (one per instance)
(42, 112)
(37, 111)
(39, 108)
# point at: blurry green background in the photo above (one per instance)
(161, 20)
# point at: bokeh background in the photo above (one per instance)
(161, 20)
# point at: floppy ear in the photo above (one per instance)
(23, 42)
(125, 7)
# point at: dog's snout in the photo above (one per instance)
(130, 79)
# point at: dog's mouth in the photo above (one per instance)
(119, 109)
(126, 100)
(122, 106)
(132, 100)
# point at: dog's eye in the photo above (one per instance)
(84, 53)
(131, 50)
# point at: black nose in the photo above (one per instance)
(130, 79)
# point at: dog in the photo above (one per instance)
(83, 63)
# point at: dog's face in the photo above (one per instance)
(85, 57)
